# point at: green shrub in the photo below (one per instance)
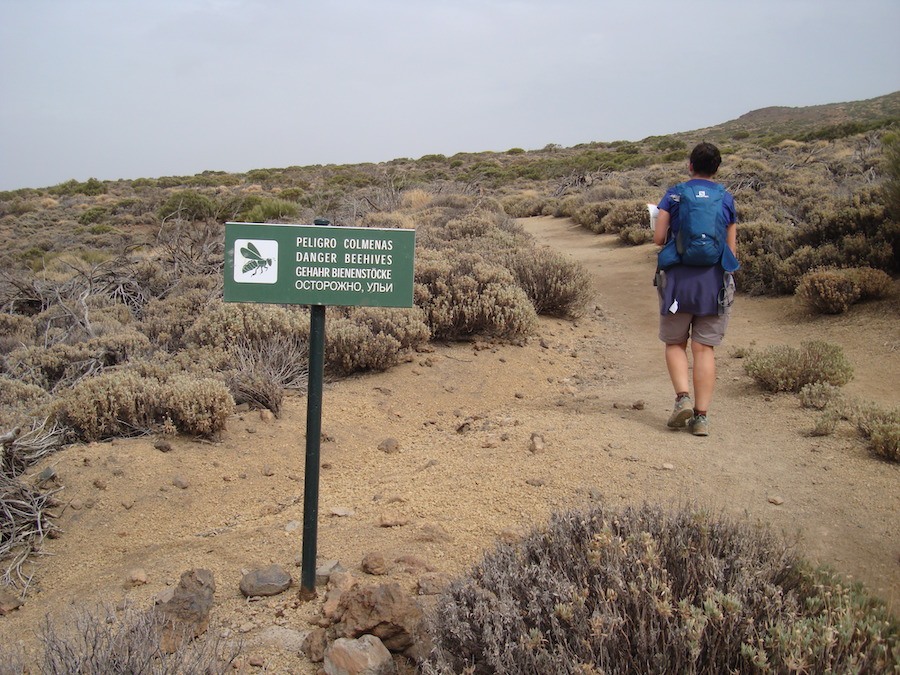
(93, 215)
(653, 591)
(784, 368)
(555, 284)
(269, 210)
(187, 205)
(827, 291)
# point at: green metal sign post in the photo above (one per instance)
(317, 266)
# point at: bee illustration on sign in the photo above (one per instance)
(255, 262)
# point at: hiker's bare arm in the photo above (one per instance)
(731, 238)
(662, 228)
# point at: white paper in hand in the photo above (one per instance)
(654, 212)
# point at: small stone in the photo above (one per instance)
(314, 645)
(389, 446)
(667, 467)
(433, 533)
(341, 511)
(256, 661)
(99, 483)
(638, 405)
(267, 470)
(432, 583)
(271, 580)
(392, 520)
(374, 563)
(537, 443)
(136, 577)
(8, 602)
(292, 526)
(47, 475)
(127, 504)
(777, 501)
(326, 569)
(163, 445)
(164, 596)
(76, 505)
(265, 415)
(535, 482)
(181, 482)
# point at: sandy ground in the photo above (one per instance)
(463, 416)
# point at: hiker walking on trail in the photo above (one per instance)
(696, 228)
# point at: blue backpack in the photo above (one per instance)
(700, 240)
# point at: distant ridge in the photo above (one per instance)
(784, 119)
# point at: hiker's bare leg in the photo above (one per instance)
(677, 363)
(704, 374)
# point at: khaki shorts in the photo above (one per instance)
(675, 329)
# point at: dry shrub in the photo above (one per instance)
(18, 398)
(555, 284)
(108, 405)
(351, 347)
(61, 365)
(818, 395)
(648, 590)
(882, 429)
(101, 641)
(166, 320)
(873, 284)
(591, 215)
(625, 213)
(523, 205)
(25, 519)
(388, 220)
(784, 368)
(196, 406)
(124, 403)
(464, 296)
(415, 199)
(406, 325)
(827, 291)
(635, 235)
(833, 291)
(763, 247)
(224, 324)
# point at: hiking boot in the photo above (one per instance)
(699, 425)
(683, 411)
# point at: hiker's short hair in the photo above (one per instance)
(705, 158)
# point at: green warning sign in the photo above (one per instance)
(319, 265)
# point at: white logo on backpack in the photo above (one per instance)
(702, 194)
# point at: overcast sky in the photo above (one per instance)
(128, 89)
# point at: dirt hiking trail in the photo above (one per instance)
(485, 442)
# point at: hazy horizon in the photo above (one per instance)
(112, 90)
